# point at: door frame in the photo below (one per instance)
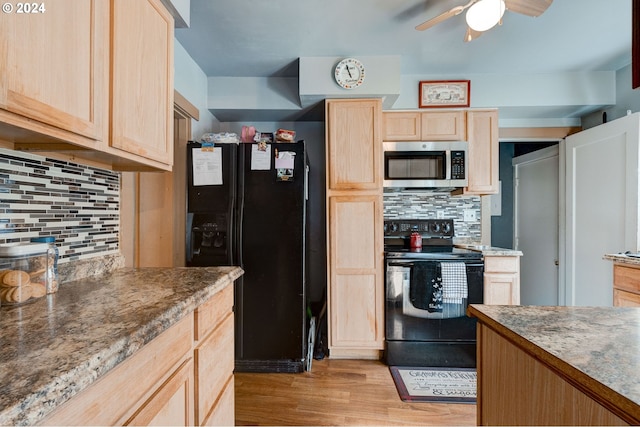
(139, 248)
(542, 154)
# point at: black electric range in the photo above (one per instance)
(437, 240)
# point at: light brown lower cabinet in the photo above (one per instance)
(516, 388)
(356, 297)
(502, 280)
(182, 377)
(626, 285)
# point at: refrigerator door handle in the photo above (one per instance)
(306, 182)
(240, 205)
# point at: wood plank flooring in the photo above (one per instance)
(338, 393)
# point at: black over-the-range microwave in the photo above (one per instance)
(435, 165)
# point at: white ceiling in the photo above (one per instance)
(264, 38)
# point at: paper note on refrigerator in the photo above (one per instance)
(207, 166)
(285, 159)
(260, 157)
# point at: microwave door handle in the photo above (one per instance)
(447, 164)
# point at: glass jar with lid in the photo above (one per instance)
(52, 261)
(23, 272)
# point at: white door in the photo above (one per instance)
(601, 207)
(536, 225)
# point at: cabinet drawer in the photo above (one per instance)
(209, 314)
(214, 365)
(223, 413)
(112, 399)
(625, 299)
(626, 278)
(501, 264)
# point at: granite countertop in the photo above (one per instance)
(595, 347)
(622, 258)
(56, 346)
(489, 250)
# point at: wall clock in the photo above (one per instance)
(349, 73)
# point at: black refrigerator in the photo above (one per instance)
(246, 206)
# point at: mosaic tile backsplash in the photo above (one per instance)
(423, 205)
(79, 205)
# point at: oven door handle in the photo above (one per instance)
(400, 264)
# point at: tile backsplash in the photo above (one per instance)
(424, 205)
(77, 204)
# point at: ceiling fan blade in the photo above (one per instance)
(444, 16)
(438, 19)
(471, 34)
(528, 7)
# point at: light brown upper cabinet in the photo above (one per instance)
(354, 148)
(142, 79)
(54, 73)
(482, 133)
(444, 125)
(447, 125)
(83, 78)
(477, 126)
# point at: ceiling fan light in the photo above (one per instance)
(485, 14)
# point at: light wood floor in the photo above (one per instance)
(339, 393)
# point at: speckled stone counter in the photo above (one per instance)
(596, 348)
(622, 259)
(56, 346)
(489, 250)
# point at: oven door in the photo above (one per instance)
(414, 309)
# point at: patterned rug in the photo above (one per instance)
(450, 385)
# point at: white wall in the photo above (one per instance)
(527, 100)
(191, 82)
(626, 99)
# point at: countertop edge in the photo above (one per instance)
(65, 386)
(489, 250)
(622, 259)
(612, 400)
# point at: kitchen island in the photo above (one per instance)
(558, 365)
(58, 348)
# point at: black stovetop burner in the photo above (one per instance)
(437, 239)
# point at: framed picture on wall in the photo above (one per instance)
(444, 93)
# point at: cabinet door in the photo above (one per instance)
(54, 69)
(502, 280)
(214, 367)
(354, 146)
(355, 270)
(142, 79)
(501, 289)
(443, 126)
(402, 126)
(482, 132)
(171, 404)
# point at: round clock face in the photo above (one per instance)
(349, 73)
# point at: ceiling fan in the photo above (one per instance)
(483, 15)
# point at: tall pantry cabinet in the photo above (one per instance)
(355, 228)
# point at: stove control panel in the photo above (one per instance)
(426, 227)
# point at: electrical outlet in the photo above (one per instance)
(440, 214)
(469, 215)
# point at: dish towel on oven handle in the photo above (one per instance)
(454, 282)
